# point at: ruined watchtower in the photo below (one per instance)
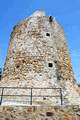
(38, 57)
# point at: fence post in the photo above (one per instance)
(31, 97)
(61, 96)
(1, 96)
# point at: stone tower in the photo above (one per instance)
(38, 57)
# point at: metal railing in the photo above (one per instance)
(31, 95)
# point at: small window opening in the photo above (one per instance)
(50, 19)
(47, 34)
(49, 114)
(50, 64)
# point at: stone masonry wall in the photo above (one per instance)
(38, 57)
(39, 113)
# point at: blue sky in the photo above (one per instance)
(67, 12)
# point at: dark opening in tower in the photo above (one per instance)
(50, 65)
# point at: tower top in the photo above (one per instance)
(38, 13)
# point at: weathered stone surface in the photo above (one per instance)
(28, 113)
(35, 44)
